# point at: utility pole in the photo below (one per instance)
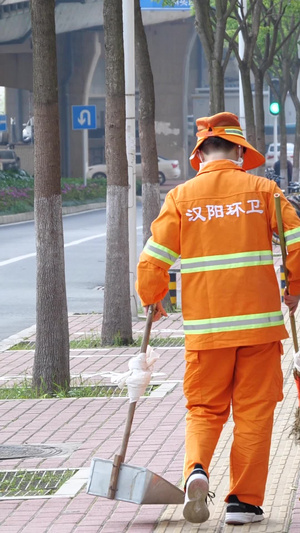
(243, 11)
(275, 140)
(129, 61)
(274, 108)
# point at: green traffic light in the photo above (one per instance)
(274, 108)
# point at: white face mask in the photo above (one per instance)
(202, 164)
(239, 162)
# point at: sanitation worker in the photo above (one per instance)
(220, 223)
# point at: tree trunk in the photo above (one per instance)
(150, 183)
(293, 86)
(289, 65)
(51, 360)
(282, 119)
(248, 102)
(296, 103)
(216, 92)
(248, 31)
(117, 322)
(212, 35)
(296, 173)
(283, 141)
(259, 111)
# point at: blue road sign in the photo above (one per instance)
(152, 4)
(84, 117)
(3, 123)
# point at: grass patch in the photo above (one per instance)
(93, 341)
(23, 345)
(24, 391)
(29, 483)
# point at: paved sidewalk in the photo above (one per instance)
(93, 427)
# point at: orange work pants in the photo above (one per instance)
(248, 378)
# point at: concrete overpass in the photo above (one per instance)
(80, 46)
(70, 15)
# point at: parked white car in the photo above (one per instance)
(167, 169)
(27, 132)
(270, 155)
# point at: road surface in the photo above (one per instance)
(84, 237)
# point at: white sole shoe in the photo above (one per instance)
(242, 518)
(195, 508)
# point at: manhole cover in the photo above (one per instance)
(26, 450)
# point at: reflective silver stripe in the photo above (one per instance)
(221, 262)
(234, 131)
(291, 236)
(160, 252)
(233, 323)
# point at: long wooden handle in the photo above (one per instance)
(147, 329)
(119, 458)
(283, 252)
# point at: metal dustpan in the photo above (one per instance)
(135, 484)
(117, 480)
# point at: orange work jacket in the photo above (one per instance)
(221, 224)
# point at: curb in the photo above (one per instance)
(23, 217)
(69, 210)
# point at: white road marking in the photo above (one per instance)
(15, 259)
(72, 243)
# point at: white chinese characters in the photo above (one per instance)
(219, 211)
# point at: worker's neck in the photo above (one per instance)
(216, 156)
(221, 157)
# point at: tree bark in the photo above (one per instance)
(282, 122)
(294, 95)
(211, 42)
(210, 22)
(268, 54)
(150, 182)
(259, 111)
(289, 70)
(248, 102)
(51, 360)
(296, 172)
(117, 322)
(249, 28)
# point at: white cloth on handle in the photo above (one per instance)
(297, 360)
(138, 377)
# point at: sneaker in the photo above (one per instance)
(242, 513)
(195, 508)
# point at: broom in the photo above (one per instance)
(296, 371)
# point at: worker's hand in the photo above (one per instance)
(158, 311)
(291, 301)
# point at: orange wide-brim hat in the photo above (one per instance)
(227, 126)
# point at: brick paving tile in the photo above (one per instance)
(11, 529)
(68, 528)
(34, 528)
